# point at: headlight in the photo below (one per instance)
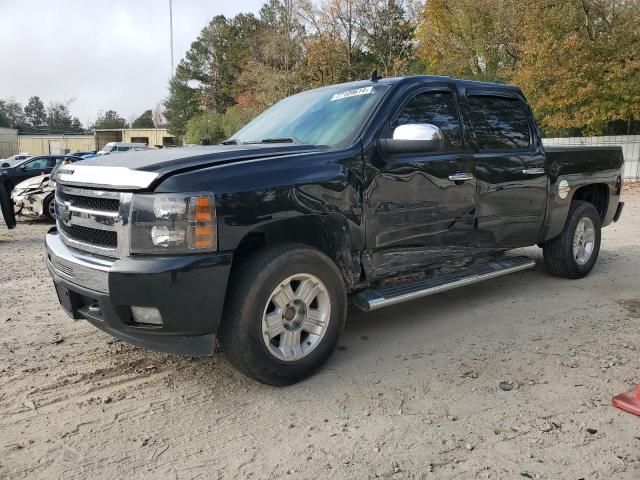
(173, 223)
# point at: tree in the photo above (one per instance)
(335, 43)
(59, 119)
(180, 105)
(144, 121)
(4, 118)
(205, 126)
(471, 39)
(389, 34)
(76, 125)
(580, 64)
(109, 119)
(12, 113)
(35, 112)
(158, 116)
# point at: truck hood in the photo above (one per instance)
(139, 170)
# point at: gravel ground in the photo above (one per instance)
(412, 392)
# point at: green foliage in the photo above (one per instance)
(109, 119)
(5, 122)
(12, 115)
(55, 119)
(144, 121)
(59, 119)
(206, 126)
(35, 113)
(181, 104)
(577, 61)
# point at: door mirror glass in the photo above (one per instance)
(414, 138)
(6, 164)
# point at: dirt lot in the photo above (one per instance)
(412, 392)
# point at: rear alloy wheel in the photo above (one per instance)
(284, 312)
(584, 240)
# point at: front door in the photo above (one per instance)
(420, 208)
(510, 171)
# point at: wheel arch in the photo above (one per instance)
(597, 194)
(329, 233)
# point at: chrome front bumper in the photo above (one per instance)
(90, 272)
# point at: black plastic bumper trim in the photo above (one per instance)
(616, 217)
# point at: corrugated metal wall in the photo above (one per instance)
(153, 136)
(55, 144)
(630, 148)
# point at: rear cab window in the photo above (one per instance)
(499, 123)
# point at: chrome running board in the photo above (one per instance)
(374, 298)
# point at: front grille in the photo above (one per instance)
(90, 203)
(91, 236)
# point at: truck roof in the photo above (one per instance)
(425, 78)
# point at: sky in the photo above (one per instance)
(101, 54)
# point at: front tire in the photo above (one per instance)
(284, 313)
(575, 251)
(48, 208)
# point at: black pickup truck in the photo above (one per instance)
(374, 192)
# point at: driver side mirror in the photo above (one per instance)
(6, 164)
(414, 138)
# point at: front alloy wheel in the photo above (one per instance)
(296, 317)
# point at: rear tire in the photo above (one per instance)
(574, 252)
(284, 312)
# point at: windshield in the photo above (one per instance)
(330, 116)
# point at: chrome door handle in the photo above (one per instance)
(461, 177)
(533, 171)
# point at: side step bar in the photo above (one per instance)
(372, 299)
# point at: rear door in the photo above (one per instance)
(416, 213)
(510, 168)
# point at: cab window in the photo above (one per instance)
(499, 123)
(436, 108)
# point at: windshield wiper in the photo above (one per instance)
(231, 141)
(274, 140)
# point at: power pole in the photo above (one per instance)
(171, 33)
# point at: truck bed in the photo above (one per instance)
(575, 159)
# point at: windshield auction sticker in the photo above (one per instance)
(352, 93)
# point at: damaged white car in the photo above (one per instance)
(34, 197)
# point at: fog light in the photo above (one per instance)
(148, 315)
